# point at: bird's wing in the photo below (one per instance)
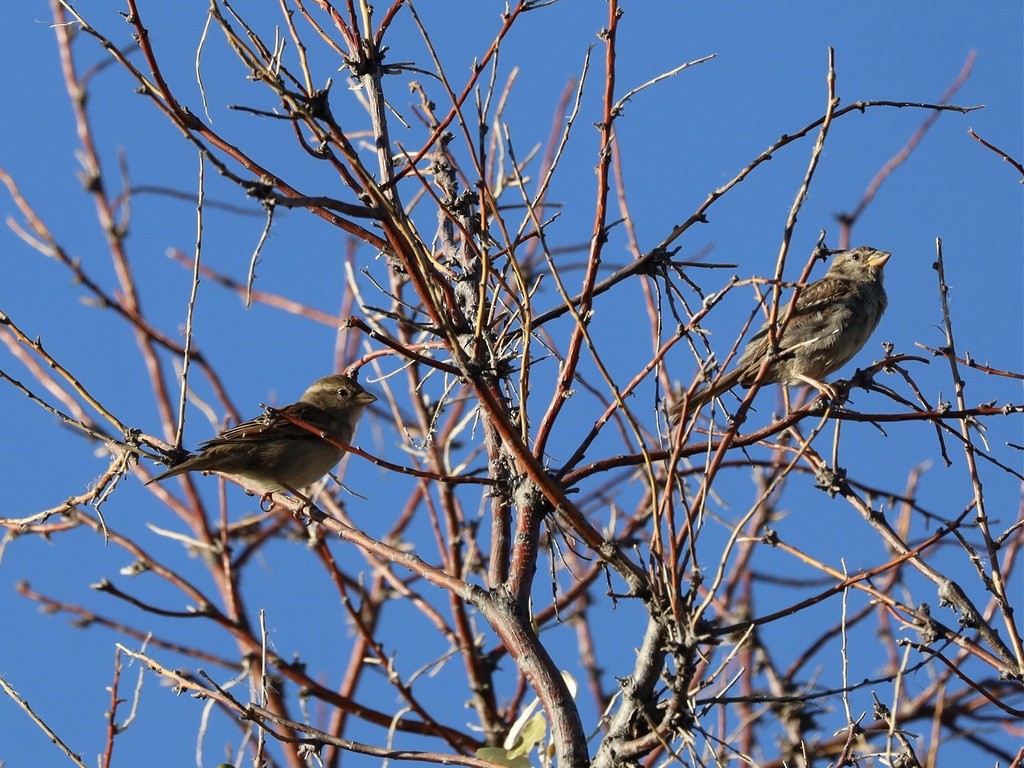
(809, 316)
(275, 426)
(825, 292)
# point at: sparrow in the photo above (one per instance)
(270, 453)
(833, 319)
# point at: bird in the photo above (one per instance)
(832, 321)
(271, 453)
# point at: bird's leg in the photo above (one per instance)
(826, 389)
(306, 509)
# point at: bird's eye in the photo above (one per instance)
(856, 256)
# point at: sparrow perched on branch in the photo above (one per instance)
(271, 453)
(832, 321)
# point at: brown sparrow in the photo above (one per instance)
(270, 453)
(832, 321)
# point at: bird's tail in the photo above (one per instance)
(696, 401)
(177, 469)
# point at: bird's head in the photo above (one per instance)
(863, 263)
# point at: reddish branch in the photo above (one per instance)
(467, 307)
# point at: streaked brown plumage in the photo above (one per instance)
(833, 319)
(270, 453)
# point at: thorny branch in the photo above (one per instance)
(482, 345)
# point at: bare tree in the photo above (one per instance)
(543, 516)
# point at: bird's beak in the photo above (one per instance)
(878, 259)
(365, 398)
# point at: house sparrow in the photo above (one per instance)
(270, 453)
(832, 321)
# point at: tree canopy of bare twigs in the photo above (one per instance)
(521, 560)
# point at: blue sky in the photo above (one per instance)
(679, 140)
